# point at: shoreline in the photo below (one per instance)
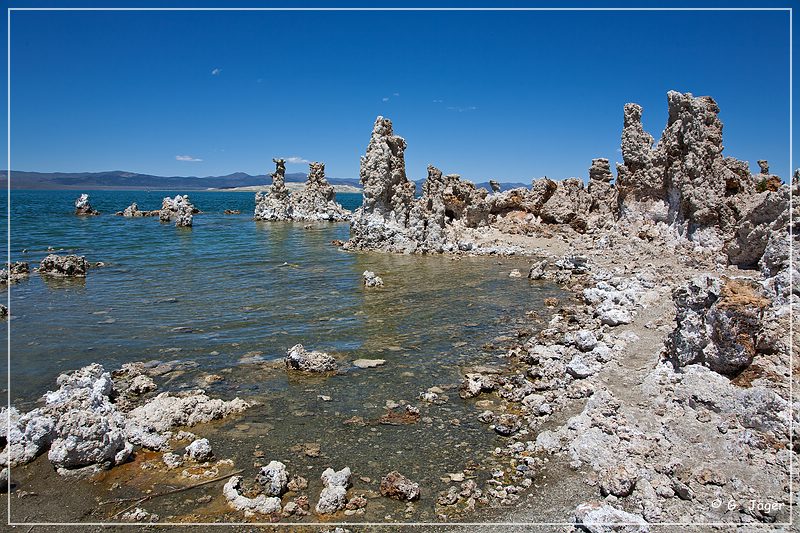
(633, 361)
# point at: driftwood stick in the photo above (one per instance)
(142, 499)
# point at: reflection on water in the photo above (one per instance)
(231, 295)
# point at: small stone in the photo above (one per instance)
(297, 483)
(397, 486)
(371, 280)
(368, 363)
(199, 450)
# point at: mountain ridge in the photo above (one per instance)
(125, 180)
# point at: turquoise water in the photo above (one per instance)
(229, 296)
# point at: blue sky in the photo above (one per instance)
(510, 96)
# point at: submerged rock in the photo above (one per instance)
(395, 485)
(149, 425)
(64, 266)
(474, 383)
(261, 504)
(82, 206)
(333, 497)
(371, 280)
(298, 358)
(507, 424)
(368, 363)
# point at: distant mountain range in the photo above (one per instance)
(118, 179)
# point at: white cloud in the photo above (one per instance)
(438, 101)
(216, 72)
(395, 94)
(186, 158)
(385, 98)
(296, 160)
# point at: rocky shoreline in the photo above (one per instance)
(664, 382)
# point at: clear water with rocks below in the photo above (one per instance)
(228, 297)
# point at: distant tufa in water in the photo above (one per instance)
(315, 202)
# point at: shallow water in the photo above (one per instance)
(231, 295)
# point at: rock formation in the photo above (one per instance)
(274, 205)
(391, 219)
(602, 193)
(317, 199)
(132, 211)
(82, 206)
(179, 209)
(682, 192)
(334, 492)
(16, 271)
(199, 450)
(395, 485)
(685, 181)
(83, 423)
(371, 280)
(718, 324)
(273, 478)
(64, 266)
(298, 358)
(261, 504)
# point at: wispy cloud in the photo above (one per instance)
(438, 101)
(216, 72)
(395, 94)
(387, 98)
(462, 109)
(296, 160)
(187, 158)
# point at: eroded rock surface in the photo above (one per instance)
(317, 199)
(261, 504)
(396, 485)
(178, 209)
(274, 204)
(273, 478)
(717, 324)
(16, 271)
(298, 358)
(149, 425)
(64, 266)
(132, 211)
(83, 207)
(371, 280)
(333, 497)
